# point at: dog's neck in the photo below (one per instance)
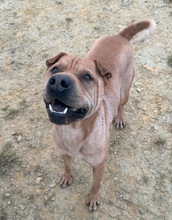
(88, 123)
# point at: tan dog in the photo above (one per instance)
(82, 95)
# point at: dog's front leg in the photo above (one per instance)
(97, 177)
(119, 122)
(66, 180)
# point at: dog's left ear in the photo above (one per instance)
(53, 60)
(103, 71)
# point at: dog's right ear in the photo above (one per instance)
(53, 60)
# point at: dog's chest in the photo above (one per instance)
(72, 139)
(68, 140)
(81, 143)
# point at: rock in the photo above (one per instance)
(22, 207)
(53, 184)
(38, 180)
(149, 68)
(19, 138)
(126, 2)
(7, 195)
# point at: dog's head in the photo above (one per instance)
(73, 87)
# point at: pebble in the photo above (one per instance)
(149, 68)
(22, 207)
(7, 195)
(53, 184)
(139, 90)
(71, 208)
(38, 180)
(19, 138)
(126, 197)
(39, 174)
(156, 127)
(126, 2)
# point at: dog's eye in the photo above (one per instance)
(87, 76)
(55, 70)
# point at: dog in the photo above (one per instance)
(83, 95)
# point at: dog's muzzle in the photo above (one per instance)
(61, 100)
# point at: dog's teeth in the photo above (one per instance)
(50, 107)
(64, 112)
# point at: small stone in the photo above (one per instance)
(148, 68)
(38, 180)
(139, 90)
(19, 138)
(157, 60)
(126, 197)
(22, 207)
(126, 2)
(71, 209)
(53, 184)
(39, 174)
(163, 189)
(7, 195)
(156, 127)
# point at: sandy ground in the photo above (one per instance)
(138, 180)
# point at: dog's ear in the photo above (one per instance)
(102, 70)
(53, 60)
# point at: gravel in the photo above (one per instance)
(138, 180)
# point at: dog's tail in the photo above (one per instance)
(130, 31)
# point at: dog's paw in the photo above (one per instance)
(92, 205)
(119, 124)
(65, 181)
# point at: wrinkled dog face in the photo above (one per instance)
(72, 88)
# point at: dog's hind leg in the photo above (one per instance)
(119, 121)
(66, 180)
(124, 95)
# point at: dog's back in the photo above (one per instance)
(116, 54)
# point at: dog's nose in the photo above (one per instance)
(60, 83)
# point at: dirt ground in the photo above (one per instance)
(137, 184)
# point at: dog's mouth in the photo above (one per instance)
(60, 113)
(60, 108)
